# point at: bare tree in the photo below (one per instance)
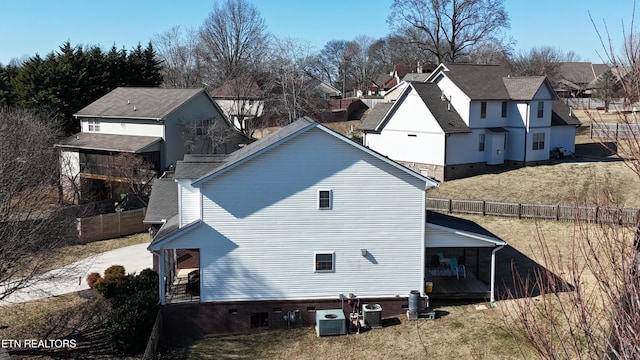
(29, 226)
(181, 64)
(593, 314)
(291, 91)
(208, 136)
(543, 60)
(449, 29)
(333, 63)
(130, 173)
(233, 40)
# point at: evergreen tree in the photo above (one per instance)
(606, 88)
(71, 78)
(7, 95)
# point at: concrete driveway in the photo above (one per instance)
(73, 277)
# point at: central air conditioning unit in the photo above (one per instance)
(372, 314)
(330, 322)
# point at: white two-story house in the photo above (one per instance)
(466, 117)
(294, 223)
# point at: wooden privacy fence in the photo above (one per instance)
(615, 130)
(108, 226)
(154, 339)
(597, 214)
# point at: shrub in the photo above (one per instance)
(114, 272)
(93, 279)
(113, 277)
(133, 313)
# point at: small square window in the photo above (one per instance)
(324, 199)
(483, 109)
(324, 262)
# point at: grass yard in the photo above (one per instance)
(476, 333)
(594, 170)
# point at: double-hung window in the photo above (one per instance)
(483, 110)
(202, 126)
(481, 142)
(325, 199)
(504, 109)
(540, 109)
(538, 141)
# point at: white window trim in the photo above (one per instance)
(93, 125)
(333, 261)
(330, 199)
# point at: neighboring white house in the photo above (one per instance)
(465, 117)
(241, 99)
(152, 123)
(300, 217)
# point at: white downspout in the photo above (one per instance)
(161, 277)
(492, 298)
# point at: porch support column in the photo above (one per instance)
(492, 298)
(161, 277)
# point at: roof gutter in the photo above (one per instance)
(492, 298)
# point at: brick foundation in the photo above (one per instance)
(197, 319)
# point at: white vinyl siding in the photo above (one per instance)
(259, 237)
(189, 205)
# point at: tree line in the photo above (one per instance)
(65, 81)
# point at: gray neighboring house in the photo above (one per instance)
(158, 125)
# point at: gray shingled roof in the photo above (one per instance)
(523, 87)
(452, 222)
(580, 73)
(446, 116)
(375, 116)
(163, 201)
(480, 82)
(138, 103)
(195, 165)
(109, 142)
(416, 77)
(561, 115)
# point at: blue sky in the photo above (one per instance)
(41, 26)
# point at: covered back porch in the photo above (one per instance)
(460, 258)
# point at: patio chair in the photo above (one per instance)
(457, 268)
